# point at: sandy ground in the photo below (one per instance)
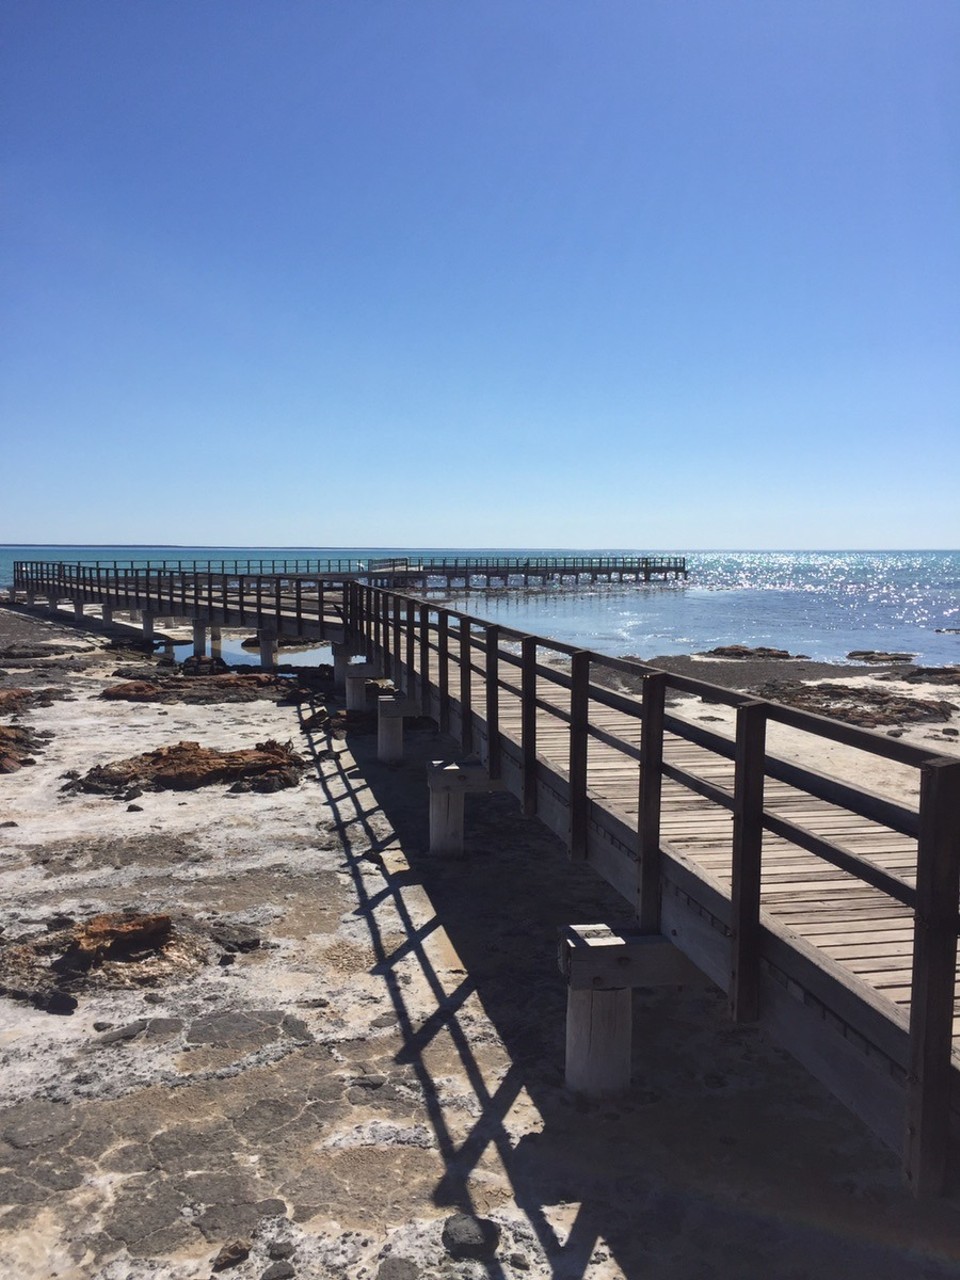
(390, 1053)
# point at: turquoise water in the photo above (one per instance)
(823, 603)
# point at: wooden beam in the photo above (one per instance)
(744, 988)
(651, 785)
(579, 740)
(934, 979)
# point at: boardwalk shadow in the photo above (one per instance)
(724, 1160)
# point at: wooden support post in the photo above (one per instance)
(410, 647)
(268, 646)
(651, 784)
(341, 661)
(599, 1032)
(357, 675)
(278, 603)
(199, 639)
(298, 589)
(390, 729)
(447, 791)
(466, 691)
(397, 644)
(929, 1081)
(528, 721)
(744, 992)
(492, 672)
(579, 738)
(443, 668)
(602, 965)
(424, 681)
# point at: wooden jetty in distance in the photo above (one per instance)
(828, 914)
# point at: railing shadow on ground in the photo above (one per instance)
(725, 1159)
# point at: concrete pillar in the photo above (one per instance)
(78, 610)
(136, 615)
(53, 602)
(390, 730)
(357, 675)
(106, 615)
(199, 639)
(447, 791)
(147, 625)
(599, 1029)
(341, 660)
(268, 647)
(31, 598)
(216, 642)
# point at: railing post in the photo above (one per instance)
(466, 692)
(744, 994)
(929, 1081)
(424, 682)
(528, 721)
(397, 645)
(579, 739)
(443, 668)
(651, 785)
(410, 647)
(492, 671)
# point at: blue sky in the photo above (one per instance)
(638, 273)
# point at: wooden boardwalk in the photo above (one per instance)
(827, 913)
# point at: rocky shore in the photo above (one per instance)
(262, 1033)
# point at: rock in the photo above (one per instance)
(134, 808)
(113, 937)
(879, 655)
(280, 1249)
(203, 690)
(520, 1261)
(9, 823)
(930, 675)
(950, 732)
(231, 1255)
(200, 665)
(234, 937)
(743, 652)
(186, 766)
(860, 705)
(398, 1269)
(465, 1236)
(278, 1271)
(17, 745)
(129, 1032)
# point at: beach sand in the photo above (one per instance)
(381, 1044)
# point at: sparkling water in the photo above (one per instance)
(823, 603)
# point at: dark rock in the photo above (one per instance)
(465, 1236)
(280, 1249)
(231, 1255)
(10, 823)
(398, 1269)
(520, 1261)
(743, 652)
(234, 937)
(129, 1032)
(878, 655)
(134, 808)
(278, 1271)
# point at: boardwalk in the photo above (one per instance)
(827, 913)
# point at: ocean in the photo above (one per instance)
(820, 603)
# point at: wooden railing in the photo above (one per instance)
(461, 668)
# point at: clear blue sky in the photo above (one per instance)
(640, 273)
